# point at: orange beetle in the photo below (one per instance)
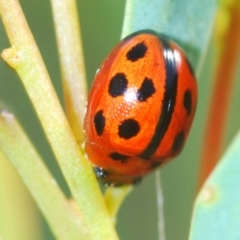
(140, 108)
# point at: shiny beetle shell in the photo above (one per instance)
(140, 108)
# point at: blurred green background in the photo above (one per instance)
(101, 23)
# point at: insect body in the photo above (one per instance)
(140, 108)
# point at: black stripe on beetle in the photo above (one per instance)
(169, 100)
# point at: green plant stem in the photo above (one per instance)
(70, 51)
(18, 149)
(25, 58)
(17, 208)
(114, 196)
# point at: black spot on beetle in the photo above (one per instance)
(99, 122)
(146, 90)
(128, 128)
(118, 85)
(187, 102)
(178, 141)
(136, 52)
(118, 157)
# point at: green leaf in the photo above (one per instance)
(217, 209)
(188, 22)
